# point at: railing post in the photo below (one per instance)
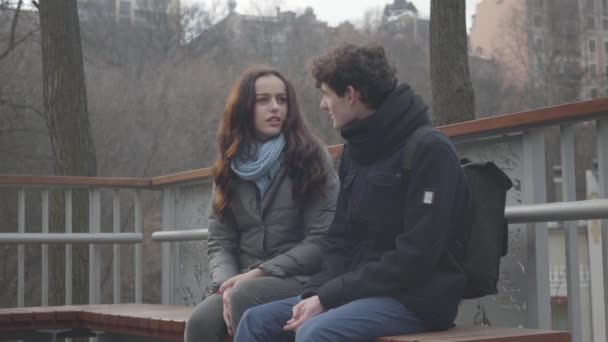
(602, 160)
(21, 251)
(166, 262)
(68, 247)
(116, 247)
(571, 230)
(45, 249)
(94, 252)
(534, 190)
(176, 282)
(138, 256)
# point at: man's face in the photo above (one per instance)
(339, 108)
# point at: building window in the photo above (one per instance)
(125, 9)
(590, 4)
(538, 21)
(592, 46)
(154, 5)
(593, 71)
(605, 24)
(590, 23)
(605, 7)
(606, 71)
(538, 43)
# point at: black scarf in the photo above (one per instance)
(385, 131)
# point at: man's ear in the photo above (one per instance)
(352, 95)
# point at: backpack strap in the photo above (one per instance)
(410, 146)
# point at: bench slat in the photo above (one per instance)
(169, 321)
(483, 334)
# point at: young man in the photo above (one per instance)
(390, 257)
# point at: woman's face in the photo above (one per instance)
(270, 107)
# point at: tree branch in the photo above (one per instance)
(14, 23)
(13, 42)
(17, 106)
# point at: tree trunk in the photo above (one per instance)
(453, 97)
(65, 105)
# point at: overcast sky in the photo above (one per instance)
(332, 11)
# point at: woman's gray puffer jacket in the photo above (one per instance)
(277, 236)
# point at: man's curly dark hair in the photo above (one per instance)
(365, 68)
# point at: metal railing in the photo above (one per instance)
(516, 141)
(546, 212)
(94, 239)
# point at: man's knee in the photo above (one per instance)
(314, 330)
(251, 321)
(306, 332)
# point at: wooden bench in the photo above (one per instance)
(168, 322)
(483, 334)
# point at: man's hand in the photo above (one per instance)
(255, 273)
(226, 300)
(303, 311)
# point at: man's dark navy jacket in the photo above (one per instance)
(393, 234)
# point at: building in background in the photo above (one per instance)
(142, 12)
(538, 46)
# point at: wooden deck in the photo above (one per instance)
(168, 322)
(150, 320)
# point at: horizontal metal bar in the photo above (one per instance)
(67, 238)
(558, 211)
(546, 212)
(180, 235)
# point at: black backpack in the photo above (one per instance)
(482, 243)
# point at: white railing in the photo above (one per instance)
(94, 238)
(516, 142)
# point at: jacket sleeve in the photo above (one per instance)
(222, 248)
(433, 188)
(335, 246)
(305, 257)
(334, 252)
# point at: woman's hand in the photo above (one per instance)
(255, 273)
(226, 312)
(304, 310)
(226, 289)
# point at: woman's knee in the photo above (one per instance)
(206, 322)
(243, 296)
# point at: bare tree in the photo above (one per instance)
(453, 96)
(65, 105)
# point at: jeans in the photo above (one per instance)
(360, 320)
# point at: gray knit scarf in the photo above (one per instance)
(260, 163)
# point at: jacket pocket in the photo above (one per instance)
(382, 197)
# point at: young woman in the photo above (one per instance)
(274, 198)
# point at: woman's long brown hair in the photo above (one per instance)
(303, 151)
